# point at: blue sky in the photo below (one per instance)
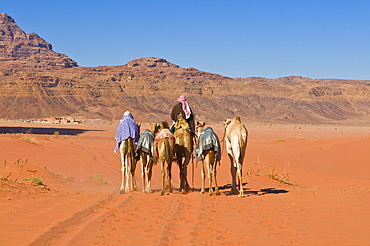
(263, 38)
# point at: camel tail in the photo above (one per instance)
(130, 147)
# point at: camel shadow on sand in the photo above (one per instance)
(43, 131)
(226, 189)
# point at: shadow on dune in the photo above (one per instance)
(249, 192)
(43, 131)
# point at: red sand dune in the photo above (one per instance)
(326, 202)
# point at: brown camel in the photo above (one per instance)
(236, 136)
(183, 149)
(127, 151)
(145, 151)
(208, 151)
(165, 143)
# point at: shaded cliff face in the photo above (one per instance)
(29, 49)
(35, 85)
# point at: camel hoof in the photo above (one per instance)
(241, 195)
(122, 192)
(202, 191)
(218, 193)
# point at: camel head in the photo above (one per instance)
(199, 126)
(138, 126)
(154, 128)
(165, 125)
(237, 118)
(227, 122)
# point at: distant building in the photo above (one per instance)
(60, 120)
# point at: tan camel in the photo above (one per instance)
(146, 151)
(183, 149)
(236, 136)
(208, 151)
(127, 151)
(165, 143)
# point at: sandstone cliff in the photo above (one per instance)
(21, 50)
(35, 84)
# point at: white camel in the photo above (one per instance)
(236, 142)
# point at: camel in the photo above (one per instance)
(236, 136)
(145, 151)
(164, 143)
(127, 135)
(183, 149)
(208, 152)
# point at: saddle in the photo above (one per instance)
(164, 133)
(181, 123)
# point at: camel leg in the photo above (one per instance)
(163, 178)
(143, 164)
(123, 171)
(149, 175)
(215, 178)
(132, 170)
(169, 177)
(183, 181)
(209, 167)
(179, 162)
(203, 176)
(241, 192)
(233, 175)
(127, 175)
(181, 176)
(185, 166)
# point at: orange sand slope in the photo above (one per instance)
(323, 200)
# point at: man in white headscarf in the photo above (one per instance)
(183, 108)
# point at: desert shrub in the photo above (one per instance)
(27, 136)
(35, 180)
(100, 178)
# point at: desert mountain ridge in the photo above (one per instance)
(36, 82)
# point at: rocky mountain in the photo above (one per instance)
(36, 82)
(22, 50)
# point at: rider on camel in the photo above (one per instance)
(183, 108)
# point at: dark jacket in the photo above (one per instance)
(177, 109)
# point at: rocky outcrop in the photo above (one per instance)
(29, 49)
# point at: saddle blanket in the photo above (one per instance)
(127, 128)
(208, 140)
(146, 142)
(164, 133)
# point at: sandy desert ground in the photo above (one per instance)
(326, 200)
